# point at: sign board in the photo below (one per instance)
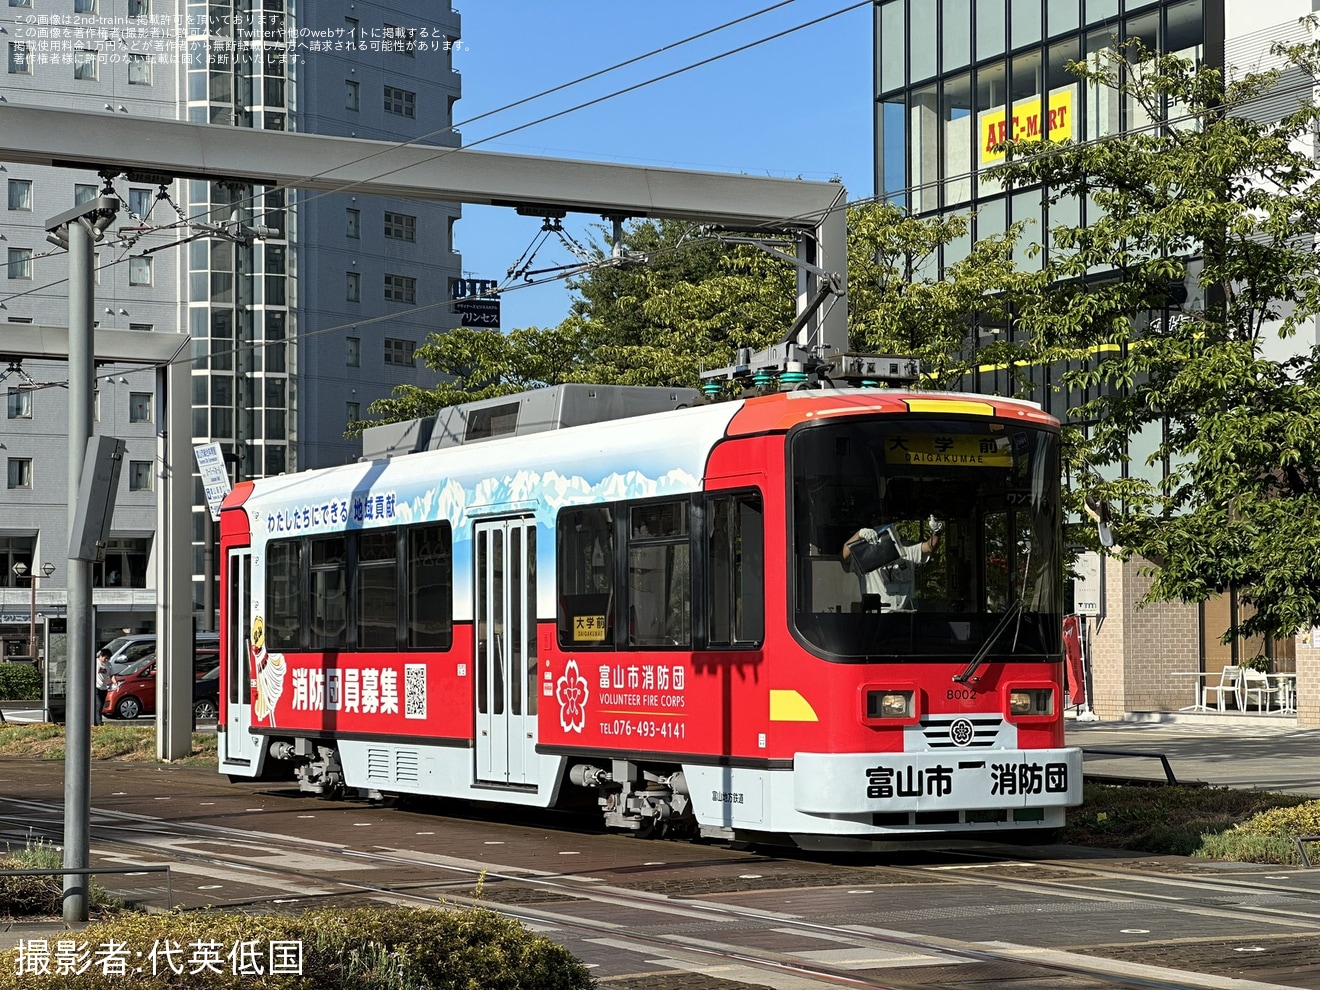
(1088, 589)
(215, 475)
(475, 302)
(1033, 119)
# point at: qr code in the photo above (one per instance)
(414, 690)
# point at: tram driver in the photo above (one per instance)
(885, 563)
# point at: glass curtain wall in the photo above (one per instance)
(957, 77)
(240, 297)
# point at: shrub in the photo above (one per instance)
(363, 949)
(39, 896)
(19, 682)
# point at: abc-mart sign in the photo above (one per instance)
(1033, 119)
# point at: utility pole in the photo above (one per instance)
(77, 230)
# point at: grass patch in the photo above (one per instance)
(1209, 822)
(42, 896)
(133, 743)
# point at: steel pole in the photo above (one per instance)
(78, 691)
(32, 614)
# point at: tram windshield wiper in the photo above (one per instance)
(1013, 610)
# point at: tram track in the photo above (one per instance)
(133, 834)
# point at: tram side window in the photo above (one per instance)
(329, 606)
(283, 595)
(377, 590)
(586, 577)
(430, 587)
(735, 568)
(659, 574)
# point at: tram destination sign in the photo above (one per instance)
(475, 302)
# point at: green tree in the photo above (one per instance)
(1215, 196)
(681, 301)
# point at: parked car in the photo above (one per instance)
(133, 691)
(127, 650)
(206, 696)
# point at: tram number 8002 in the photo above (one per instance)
(960, 694)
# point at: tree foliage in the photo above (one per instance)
(1219, 197)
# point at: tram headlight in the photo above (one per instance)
(1031, 701)
(889, 704)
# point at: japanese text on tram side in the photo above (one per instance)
(341, 512)
(937, 781)
(368, 691)
(69, 957)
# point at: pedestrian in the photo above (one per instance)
(102, 684)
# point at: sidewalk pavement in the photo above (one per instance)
(1217, 750)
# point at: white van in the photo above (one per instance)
(126, 649)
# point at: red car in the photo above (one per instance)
(133, 690)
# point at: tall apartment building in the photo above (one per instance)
(951, 76)
(279, 363)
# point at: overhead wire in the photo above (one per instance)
(449, 151)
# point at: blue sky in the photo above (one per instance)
(798, 106)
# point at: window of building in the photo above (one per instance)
(400, 288)
(140, 202)
(1060, 16)
(139, 8)
(20, 59)
(84, 6)
(124, 564)
(991, 28)
(352, 287)
(139, 476)
(139, 70)
(1024, 23)
(20, 403)
(354, 30)
(277, 459)
(400, 226)
(352, 412)
(400, 101)
(139, 271)
(20, 472)
(20, 3)
(20, 262)
(83, 192)
(352, 95)
(956, 118)
(20, 194)
(353, 352)
(956, 34)
(400, 39)
(142, 326)
(400, 352)
(353, 223)
(139, 407)
(86, 64)
(893, 47)
(923, 116)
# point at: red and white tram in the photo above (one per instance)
(655, 607)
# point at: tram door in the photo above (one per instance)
(239, 745)
(504, 606)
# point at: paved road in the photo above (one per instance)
(1216, 751)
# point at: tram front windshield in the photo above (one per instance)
(876, 485)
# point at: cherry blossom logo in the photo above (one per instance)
(571, 690)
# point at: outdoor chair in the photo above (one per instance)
(1225, 689)
(1257, 689)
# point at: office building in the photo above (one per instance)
(954, 78)
(279, 361)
